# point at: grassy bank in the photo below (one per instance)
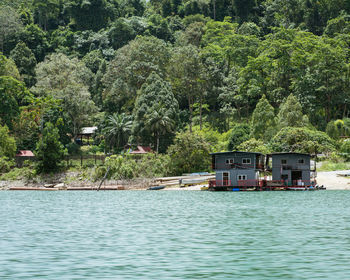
(333, 166)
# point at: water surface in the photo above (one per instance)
(174, 235)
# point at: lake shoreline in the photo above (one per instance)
(330, 179)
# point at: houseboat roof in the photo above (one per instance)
(290, 153)
(232, 152)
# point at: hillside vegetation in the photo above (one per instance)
(186, 77)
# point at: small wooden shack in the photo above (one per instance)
(86, 133)
(23, 155)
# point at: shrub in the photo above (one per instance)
(345, 149)
(5, 164)
(189, 153)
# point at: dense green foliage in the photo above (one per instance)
(239, 134)
(189, 153)
(128, 167)
(236, 74)
(7, 144)
(49, 150)
(303, 140)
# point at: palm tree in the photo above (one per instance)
(159, 122)
(117, 130)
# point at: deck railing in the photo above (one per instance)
(264, 184)
(238, 166)
(219, 183)
(311, 167)
(249, 183)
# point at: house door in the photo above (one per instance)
(296, 175)
(225, 178)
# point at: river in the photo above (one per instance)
(174, 235)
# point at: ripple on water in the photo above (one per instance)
(174, 235)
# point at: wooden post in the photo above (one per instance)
(103, 179)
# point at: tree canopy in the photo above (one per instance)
(261, 75)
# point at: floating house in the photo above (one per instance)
(235, 169)
(248, 171)
(294, 169)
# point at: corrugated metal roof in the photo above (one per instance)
(222, 153)
(88, 130)
(25, 153)
(142, 150)
(290, 153)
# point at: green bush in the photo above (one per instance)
(130, 166)
(189, 153)
(73, 149)
(24, 173)
(5, 164)
(345, 149)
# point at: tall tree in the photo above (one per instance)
(10, 24)
(13, 95)
(89, 15)
(46, 10)
(156, 110)
(8, 68)
(49, 150)
(290, 113)
(185, 71)
(36, 39)
(117, 130)
(244, 8)
(263, 120)
(26, 62)
(130, 68)
(67, 80)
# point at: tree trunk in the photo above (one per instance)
(190, 108)
(214, 8)
(157, 142)
(200, 113)
(344, 111)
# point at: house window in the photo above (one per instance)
(283, 161)
(246, 161)
(229, 161)
(241, 177)
(301, 161)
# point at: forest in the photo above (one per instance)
(186, 77)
